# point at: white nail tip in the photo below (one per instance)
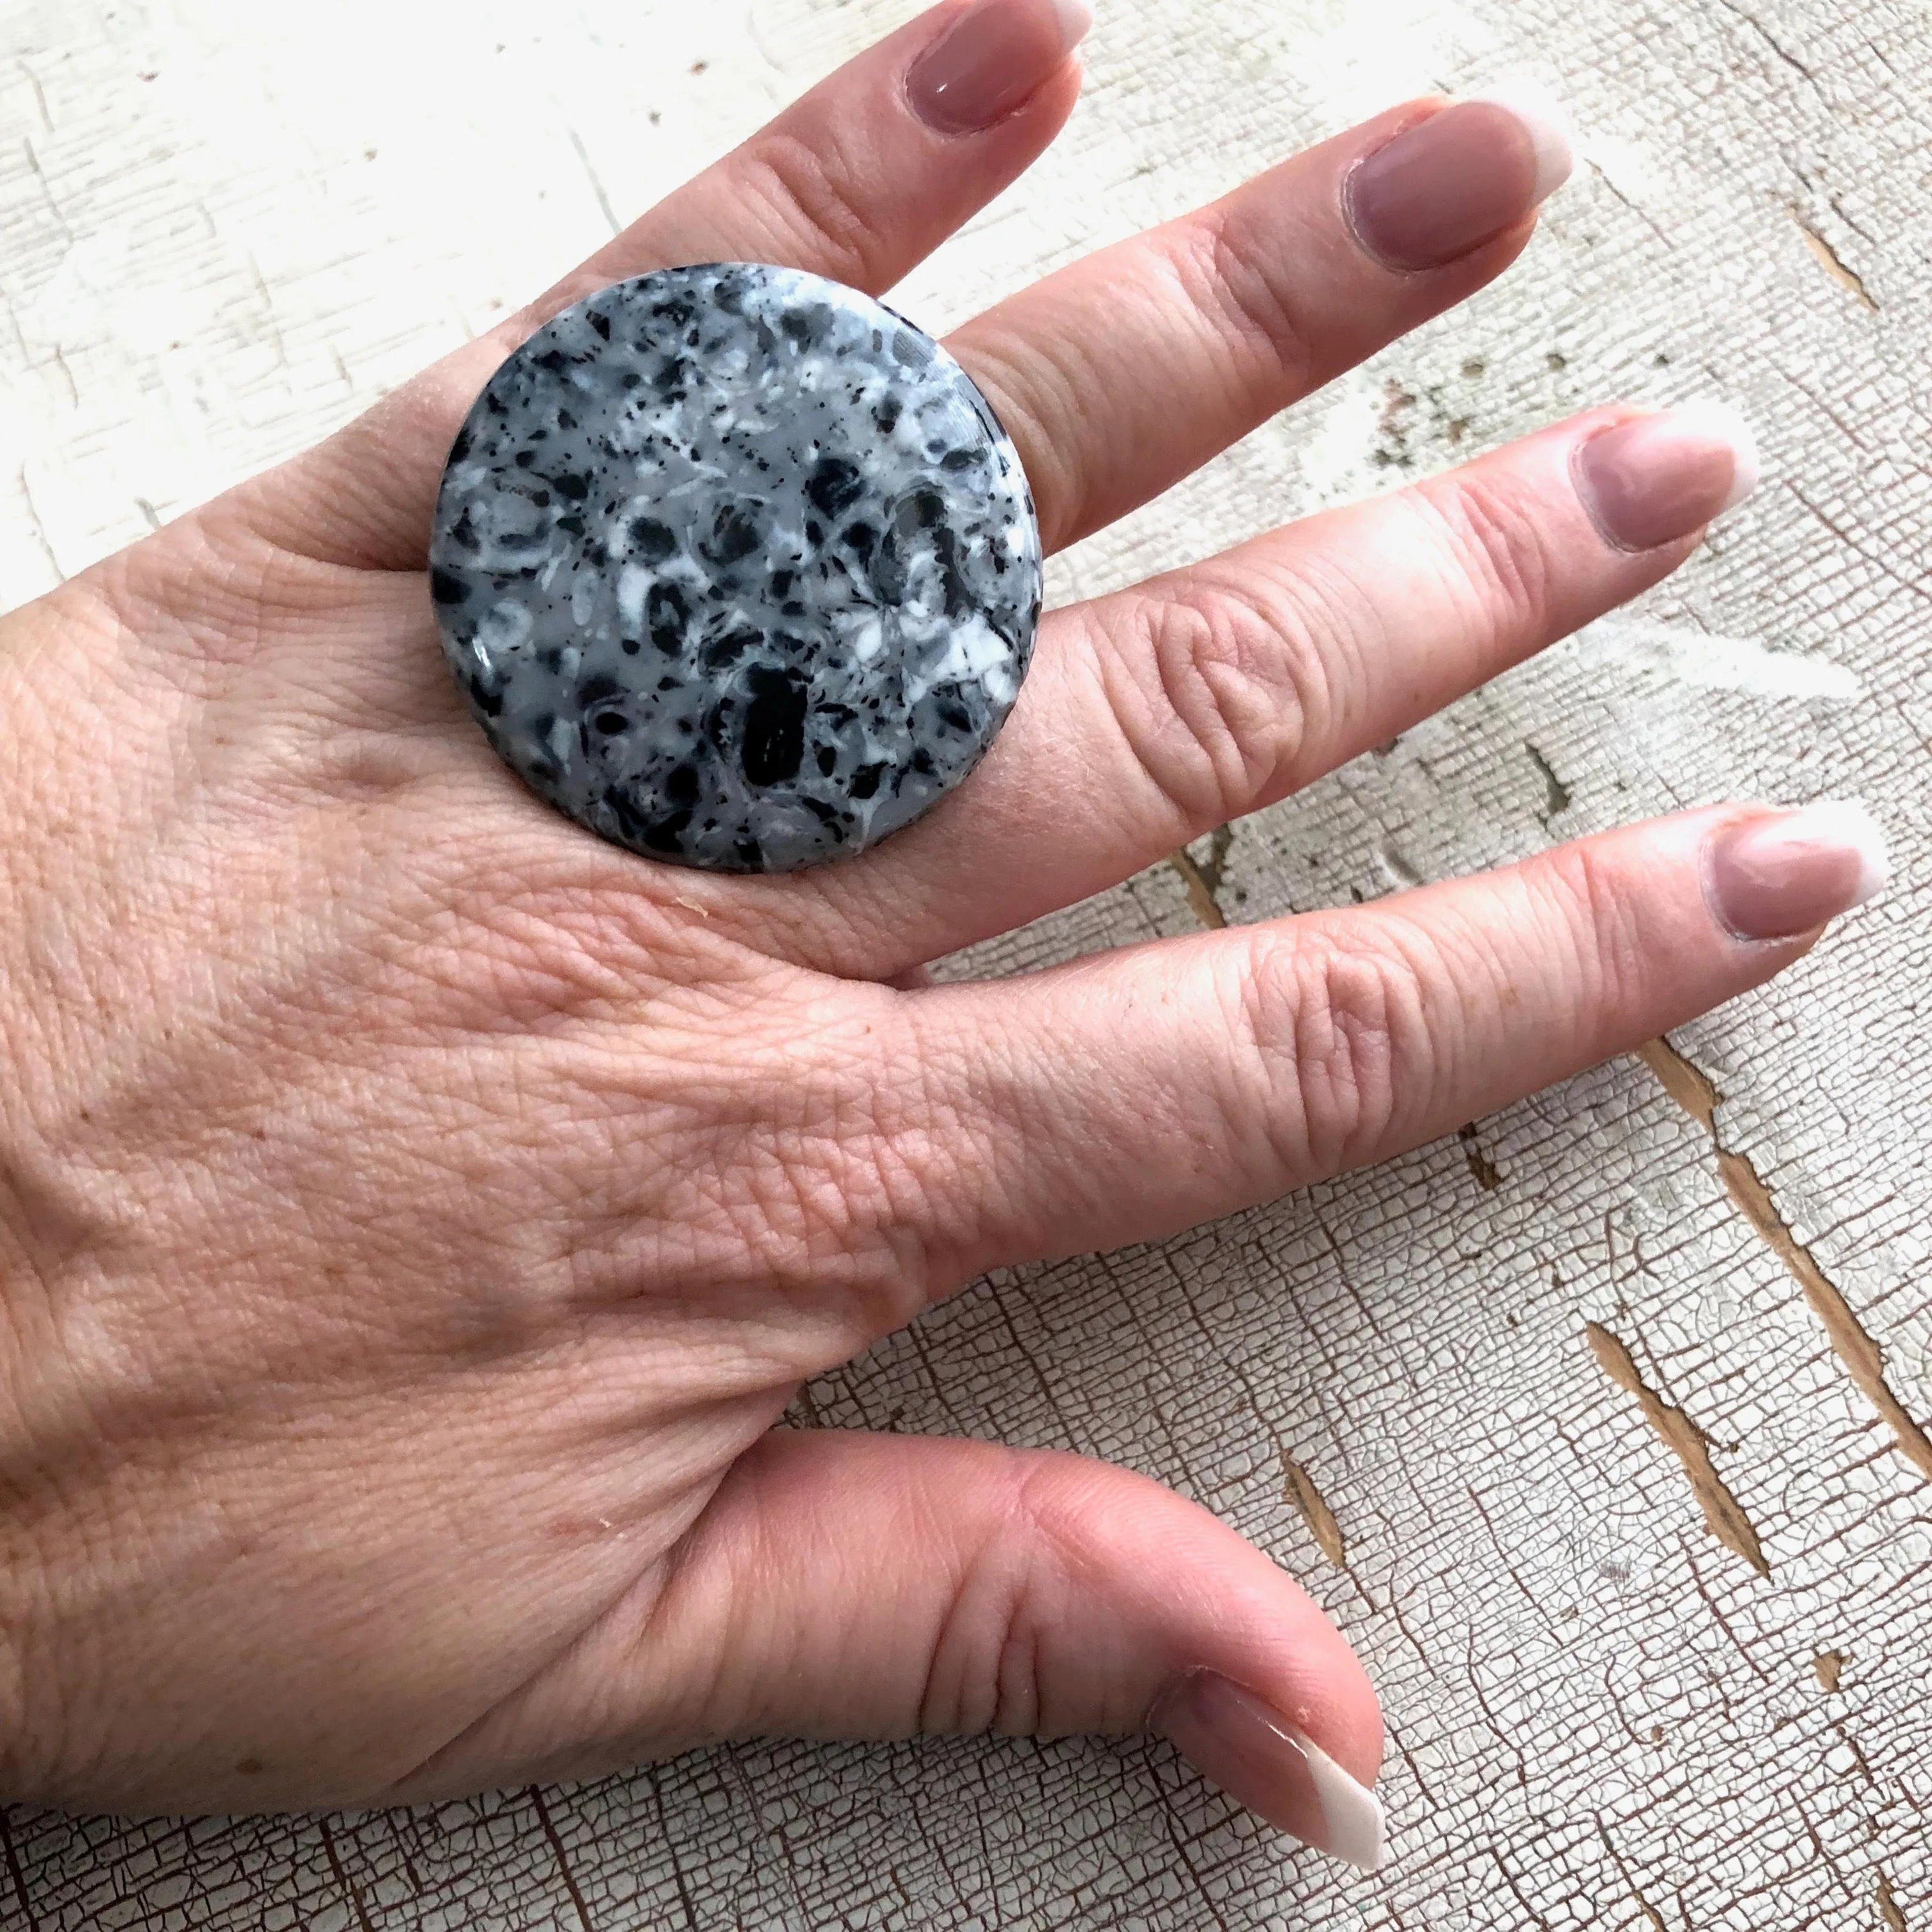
(1549, 128)
(1076, 21)
(1357, 1829)
(1842, 824)
(1722, 424)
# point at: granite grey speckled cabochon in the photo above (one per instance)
(736, 567)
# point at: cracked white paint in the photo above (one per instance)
(1599, 1716)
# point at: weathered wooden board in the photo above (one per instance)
(1488, 1401)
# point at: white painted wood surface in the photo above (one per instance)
(224, 227)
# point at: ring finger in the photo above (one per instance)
(1119, 376)
(859, 180)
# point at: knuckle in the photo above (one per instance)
(1001, 1660)
(1591, 900)
(1237, 275)
(980, 1674)
(1231, 690)
(1340, 1034)
(810, 190)
(1496, 545)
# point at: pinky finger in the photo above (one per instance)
(1122, 1098)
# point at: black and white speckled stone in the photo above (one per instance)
(737, 567)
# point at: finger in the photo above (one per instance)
(1126, 371)
(859, 180)
(1122, 1098)
(1156, 714)
(848, 1586)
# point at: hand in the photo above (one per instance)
(417, 1213)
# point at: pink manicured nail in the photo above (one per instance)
(1445, 186)
(1777, 874)
(1257, 1757)
(1658, 479)
(992, 59)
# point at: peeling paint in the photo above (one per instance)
(1723, 1514)
(1856, 1349)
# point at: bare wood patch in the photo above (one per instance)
(1834, 264)
(1830, 1667)
(1687, 1085)
(1488, 1175)
(1203, 878)
(1200, 899)
(1723, 1513)
(1851, 1342)
(1558, 794)
(1889, 1914)
(1298, 1488)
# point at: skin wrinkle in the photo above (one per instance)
(1331, 626)
(817, 196)
(1183, 640)
(1609, 960)
(1494, 527)
(1428, 1059)
(1251, 295)
(963, 1693)
(1272, 650)
(1334, 1010)
(1226, 687)
(1023, 1589)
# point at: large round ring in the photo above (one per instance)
(736, 567)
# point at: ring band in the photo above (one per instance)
(736, 567)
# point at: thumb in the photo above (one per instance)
(842, 1584)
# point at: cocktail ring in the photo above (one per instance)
(736, 567)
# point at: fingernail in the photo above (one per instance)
(1659, 478)
(1776, 875)
(1258, 1757)
(992, 59)
(1448, 185)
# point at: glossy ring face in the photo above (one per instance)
(736, 567)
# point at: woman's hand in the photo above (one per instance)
(417, 1212)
